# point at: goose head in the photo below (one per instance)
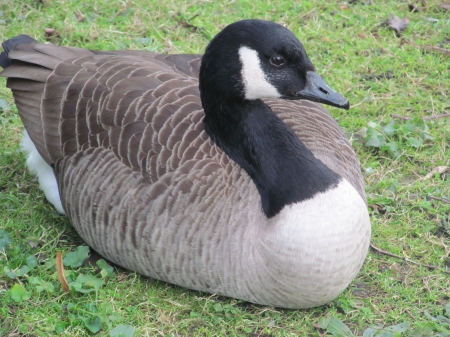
(254, 59)
(246, 62)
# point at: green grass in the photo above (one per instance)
(347, 45)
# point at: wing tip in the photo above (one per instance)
(9, 45)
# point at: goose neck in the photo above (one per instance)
(282, 168)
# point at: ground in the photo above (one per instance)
(391, 71)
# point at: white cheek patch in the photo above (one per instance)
(255, 83)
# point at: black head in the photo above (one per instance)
(253, 59)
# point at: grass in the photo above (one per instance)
(350, 49)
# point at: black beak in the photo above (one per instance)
(317, 90)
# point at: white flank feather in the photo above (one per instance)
(43, 171)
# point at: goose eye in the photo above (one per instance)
(277, 61)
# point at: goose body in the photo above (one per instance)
(213, 189)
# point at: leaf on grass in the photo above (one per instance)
(218, 307)
(106, 269)
(411, 126)
(397, 24)
(18, 273)
(41, 285)
(22, 271)
(393, 149)
(32, 261)
(390, 128)
(9, 272)
(122, 331)
(247, 330)
(443, 320)
(60, 327)
(91, 307)
(87, 283)
(5, 240)
(60, 271)
(398, 328)
(335, 327)
(415, 142)
(3, 104)
(374, 138)
(438, 170)
(445, 7)
(76, 258)
(19, 294)
(92, 323)
(370, 332)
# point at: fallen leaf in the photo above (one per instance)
(438, 170)
(378, 208)
(60, 270)
(397, 24)
(445, 7)
(49, 32)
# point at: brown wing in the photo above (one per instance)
(144, 107)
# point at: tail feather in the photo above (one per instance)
(38, 75)
(9, 45)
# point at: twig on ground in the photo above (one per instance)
(410, 315)
(429, 266)
(438, 169)
(439, 49)
(426, 118)
(405, 118)
(440, 199)
(425, 283)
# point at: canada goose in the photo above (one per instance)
(257, 200)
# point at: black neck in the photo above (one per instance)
(280, 165)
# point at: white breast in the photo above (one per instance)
(316, 247)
